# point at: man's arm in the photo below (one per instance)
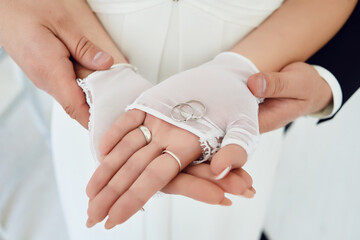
(298, 89)
(341, 56)
(44, 36)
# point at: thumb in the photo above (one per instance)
(229, 157)
(276, 113)
(84, 51)
(272, 85)
(69, 94)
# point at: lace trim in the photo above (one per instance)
(84, 84)
(210, 146)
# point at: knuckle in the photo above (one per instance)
(113, 187)
(135, 116)
(133, 166)
(138, 198)
(127, 143)
(70, 110)
(108, 165)
(152, 172)
(82, 47)
(279, 85)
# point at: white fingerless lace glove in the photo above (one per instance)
(108, 93)
(231, 115)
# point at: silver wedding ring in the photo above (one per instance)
(174, 156)
(189, 110)
(146, 132)
(177, 115)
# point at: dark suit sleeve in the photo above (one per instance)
(341, 56)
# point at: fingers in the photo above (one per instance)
(236, 182)
(124, 150)
(229, 157)
(124, 124)
(156, 175)
(277, 113)
(290, 94)
(71, 97)
(81, 48)
(196, 188)
(121, 181)
(52, 71)
(275, 85)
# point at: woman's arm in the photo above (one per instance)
(294, 32)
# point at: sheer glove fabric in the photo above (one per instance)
(108, 93)
(231, 115)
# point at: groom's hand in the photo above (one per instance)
(295, 91)
(41, 36)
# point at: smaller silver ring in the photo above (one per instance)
(193, 116)
(180, 106)
(174, 156)
(146, 132)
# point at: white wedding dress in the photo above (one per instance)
(161, 38)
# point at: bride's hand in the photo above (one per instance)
(132, 171)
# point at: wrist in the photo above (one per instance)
(333, 98)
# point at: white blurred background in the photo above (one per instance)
(29, 205)
(316, 193)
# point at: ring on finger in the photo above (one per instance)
(147, 134)
(174, 156)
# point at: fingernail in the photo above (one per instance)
(100, 58)
(226, 202)
(223, 173)
(253, 190)
(248, 194)
(90, 223)
(109, 225)
(261, 85)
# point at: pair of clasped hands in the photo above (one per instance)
(131, 170)
(56, 34)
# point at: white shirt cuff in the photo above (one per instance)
(335, 87)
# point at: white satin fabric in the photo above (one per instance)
(161, 38)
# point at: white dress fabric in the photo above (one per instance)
(161, 38)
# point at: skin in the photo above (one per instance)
(56, 46)
(56, 27)
(121, 193)
(45, 40)
(297, 90)
(133, 167)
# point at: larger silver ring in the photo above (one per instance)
(201, 107)
(146, 132)
(179, 107)
(196, 110)
(174, 156)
